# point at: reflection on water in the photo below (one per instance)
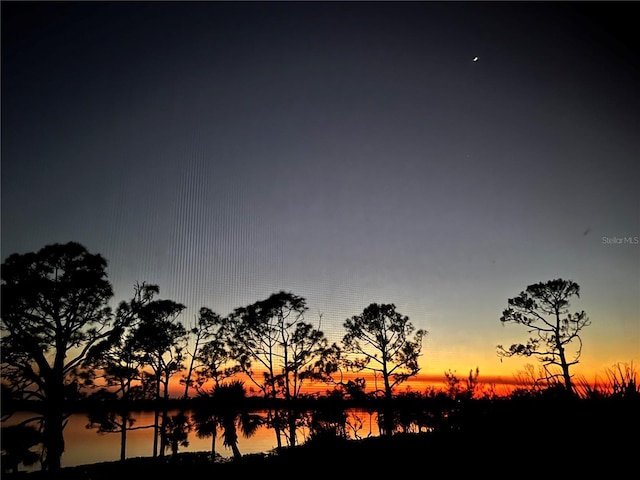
(84, 446)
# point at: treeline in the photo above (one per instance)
(60, 337)
(64, 348)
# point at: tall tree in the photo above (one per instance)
(210, 361)
(162, 340)
(543, 308)
(119, 361)
(210, 358)
(54, 309)
(279, 351)
(379, 341)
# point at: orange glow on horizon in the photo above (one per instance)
(420, 383)
(426, 382)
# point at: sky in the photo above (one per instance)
(347, 152)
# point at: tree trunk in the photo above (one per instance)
(276, 427)
(292, 427)
(156, 416)
(236, 451)
(388, 410)
(213, 446)
(165, 416)
(156, 429)
(563, 360)
(565, 371)
(231, 435)
(123, 439)
(53, 441)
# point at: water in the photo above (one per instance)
(85, 446)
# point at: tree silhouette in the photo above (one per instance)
(233, 414)
(378, 340)
(54, 309)
(457, 389)
(17, 444)
(225, 407)
(544, 309)
(177, 431)
(205, 419)
(330, 421)
(161, 341)
(211, 359)
(288, 351)
(120, 361)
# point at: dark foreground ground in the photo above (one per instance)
(523, 456)
(517, 439)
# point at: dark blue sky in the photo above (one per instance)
(348, 152)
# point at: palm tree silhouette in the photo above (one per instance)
(225, 407)
(178, 427)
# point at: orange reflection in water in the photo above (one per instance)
(86, 446)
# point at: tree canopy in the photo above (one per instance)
(378, 340)
(543, 308)
(54, 309)
(288, 350)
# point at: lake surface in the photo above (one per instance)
(84, 446)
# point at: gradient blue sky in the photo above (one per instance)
(347, 152)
